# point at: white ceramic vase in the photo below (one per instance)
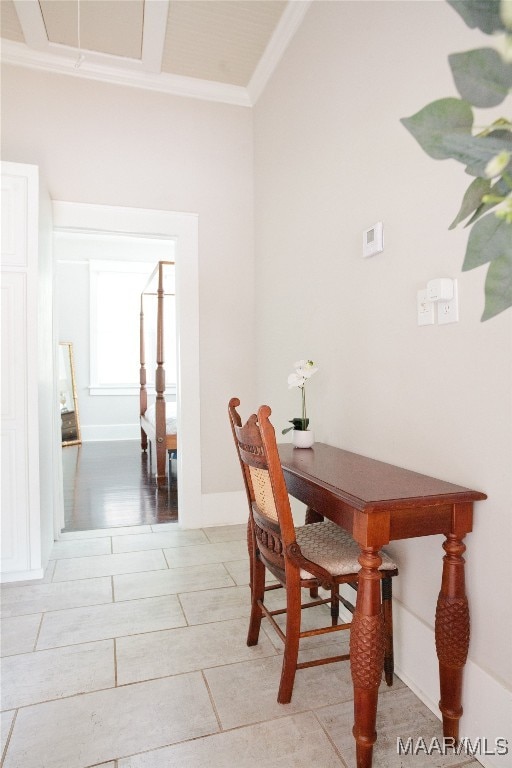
(303, 438)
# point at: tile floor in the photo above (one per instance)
(131, 653)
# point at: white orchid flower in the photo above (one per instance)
(294, 380)
(305, 368)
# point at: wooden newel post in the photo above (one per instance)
(142, 377)
(160, 383)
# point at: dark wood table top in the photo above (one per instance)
(367, 484)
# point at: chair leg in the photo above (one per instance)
(257, 593)
(312, 516)
(291, 645)
(387, 610)
(335, 604)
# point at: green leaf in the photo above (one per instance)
(498, 286)
(431, 124)
(490, 238)
(500, 189)
(476, 151)
(482, 77)
(484, 14)
(472, 200)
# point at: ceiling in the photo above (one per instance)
(221, 50)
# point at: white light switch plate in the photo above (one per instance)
(425, 309)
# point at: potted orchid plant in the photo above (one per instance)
(302, 436)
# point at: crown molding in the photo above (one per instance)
(288, 25)
(64, 64)
(117, 70)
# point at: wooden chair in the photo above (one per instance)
(320, 554)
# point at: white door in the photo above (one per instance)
(21, 537)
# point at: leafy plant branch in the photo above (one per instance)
(445, 130)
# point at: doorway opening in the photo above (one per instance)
(114, 431)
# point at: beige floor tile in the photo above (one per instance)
(108, 565)
(173, 652)
(216, 604)
(206, 553)
(130, 586)
(6, 721)
(99, 622)
(290, 742)
(400, 714)
(53, 597)
(80, 548)
(44, 675)
(97, 727)
(18, 634)
(158, 540)
(227, 533)
(239, 570)
(247, 692)
(311, 618)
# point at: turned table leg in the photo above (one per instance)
(367, 644)
(452, 634)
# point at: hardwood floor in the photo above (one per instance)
(109, 484)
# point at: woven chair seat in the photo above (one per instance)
(334, 549)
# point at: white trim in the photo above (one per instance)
(153, 34)
(177, 85)
(487, 703)
(288, 25)
(37, 573)
(228, 508)
(39, 54)
(184, 228)
(32, 23)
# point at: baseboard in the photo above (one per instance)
(37, 573)
(99, 432)
(222, 509)
(487, 703)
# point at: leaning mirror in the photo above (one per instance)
(70, 423)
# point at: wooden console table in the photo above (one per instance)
(378, 503)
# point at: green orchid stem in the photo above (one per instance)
(303, 388)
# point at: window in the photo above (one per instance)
(115, 289)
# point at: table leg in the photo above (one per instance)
(452, 634)
(367, 644)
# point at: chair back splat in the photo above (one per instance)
(320, 554)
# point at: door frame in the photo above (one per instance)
(183, 229)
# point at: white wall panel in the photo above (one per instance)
(20, 520)
(14, 229)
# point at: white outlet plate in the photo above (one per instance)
(425, 309)
(448, 311)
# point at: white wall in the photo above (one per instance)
(112, 145)
(49, 428)
(331, 159)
